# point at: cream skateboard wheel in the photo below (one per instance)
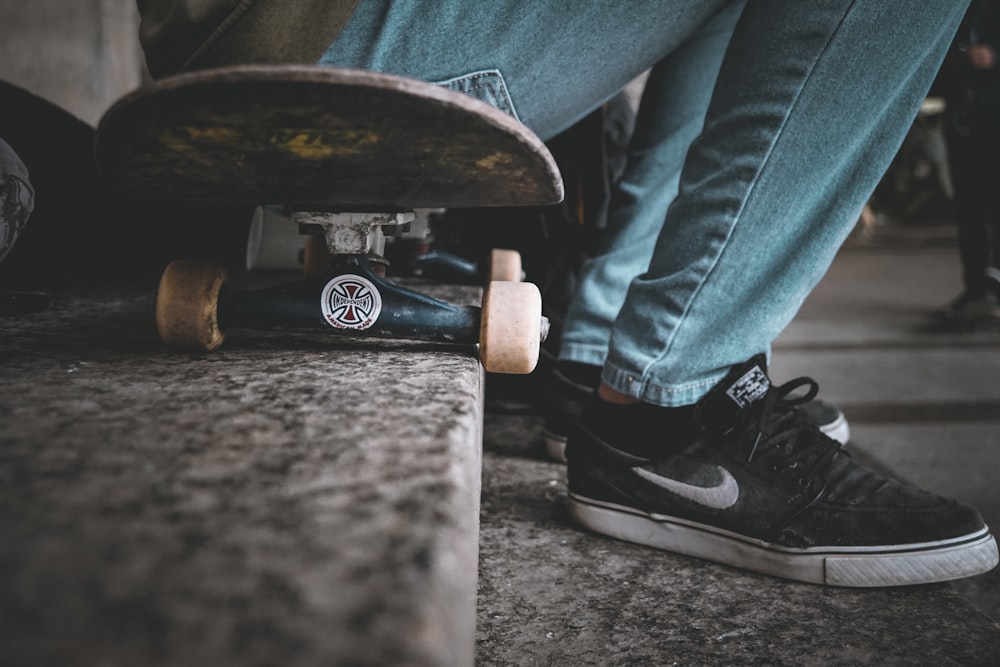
(187, 305)
(510, 331)
(505, 265)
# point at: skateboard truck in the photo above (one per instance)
(194, 305)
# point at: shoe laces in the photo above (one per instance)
(781, 430)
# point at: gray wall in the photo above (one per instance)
(79, 54)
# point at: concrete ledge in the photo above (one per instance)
(293, 501)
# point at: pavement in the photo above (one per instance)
(300, 500)
(923, 404)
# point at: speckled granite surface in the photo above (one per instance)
(297, 500)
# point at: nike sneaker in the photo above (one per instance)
(571, 384)
(740, 479)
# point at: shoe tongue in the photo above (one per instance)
(745, 384)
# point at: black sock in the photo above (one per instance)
(640, 429)
(584, 374)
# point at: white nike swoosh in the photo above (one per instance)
(721, 496)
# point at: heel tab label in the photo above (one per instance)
(750, 387)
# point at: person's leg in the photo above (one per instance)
(992, 206)
(671, 114)
(966, 166)
(812, 102)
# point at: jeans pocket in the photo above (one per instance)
(486, 86)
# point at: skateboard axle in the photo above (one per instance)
(354, 233)
(349, 301)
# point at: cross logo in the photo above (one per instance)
(351, 302)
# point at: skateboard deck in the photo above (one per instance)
(318, 138)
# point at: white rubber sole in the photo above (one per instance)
(892, 565)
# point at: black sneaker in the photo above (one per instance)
(980, 307)
(970, 308)
(568, 389)
(571, 384)
(741, 480)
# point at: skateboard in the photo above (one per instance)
(350, 155)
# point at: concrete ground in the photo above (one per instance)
(922, 402)
(274, 503)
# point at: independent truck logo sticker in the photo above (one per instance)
(351, 302)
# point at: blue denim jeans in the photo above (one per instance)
(762, 131)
